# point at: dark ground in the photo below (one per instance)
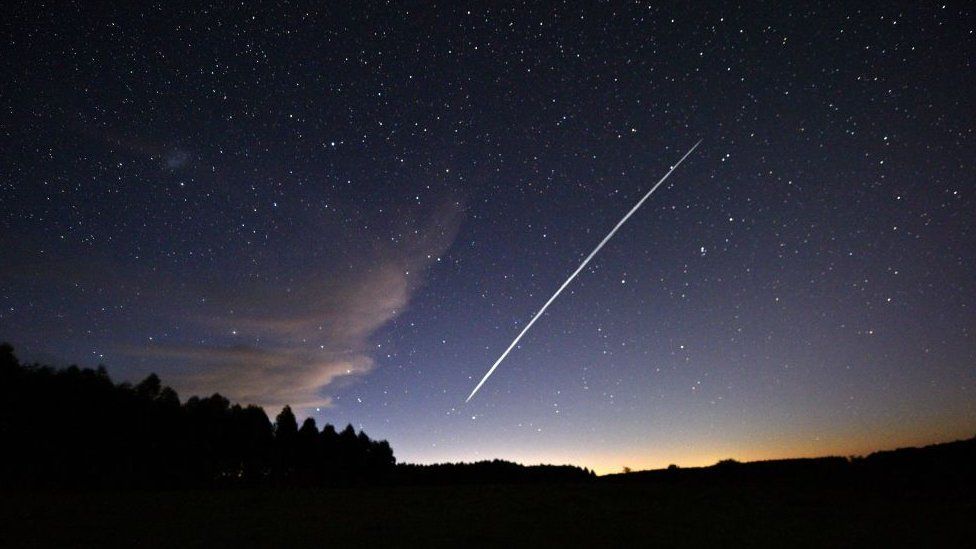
(602, 512)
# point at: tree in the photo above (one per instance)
(149, 387)
(7, 359)
(308, 431)
(168, 398)
(286, 427)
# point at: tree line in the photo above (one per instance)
(75, 427)
(489, 472)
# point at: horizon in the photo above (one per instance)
(786, 451)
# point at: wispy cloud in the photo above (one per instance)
(319, 331)
(271, 376)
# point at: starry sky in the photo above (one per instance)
(355, 207)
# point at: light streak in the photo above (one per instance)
(578, 270)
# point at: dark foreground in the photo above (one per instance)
(593, 513)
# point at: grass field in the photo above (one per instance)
(598, 513)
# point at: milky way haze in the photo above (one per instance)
(354, 208)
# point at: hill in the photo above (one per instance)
(946, 465)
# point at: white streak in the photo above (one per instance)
(577, 271)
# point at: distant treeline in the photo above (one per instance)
(75, 427)
(495, 471)
(949, 465)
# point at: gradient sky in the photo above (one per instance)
(355, 210)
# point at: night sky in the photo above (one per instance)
(354, 210)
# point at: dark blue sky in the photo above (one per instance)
(355, 210)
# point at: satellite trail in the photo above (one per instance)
(577, 271)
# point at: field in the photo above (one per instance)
(602, 512)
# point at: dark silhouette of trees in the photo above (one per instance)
(75, 427)
(490, 472)
(286, 427)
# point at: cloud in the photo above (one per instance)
(268, 376)
(303, 340)
(176, 159)
(168, 156)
